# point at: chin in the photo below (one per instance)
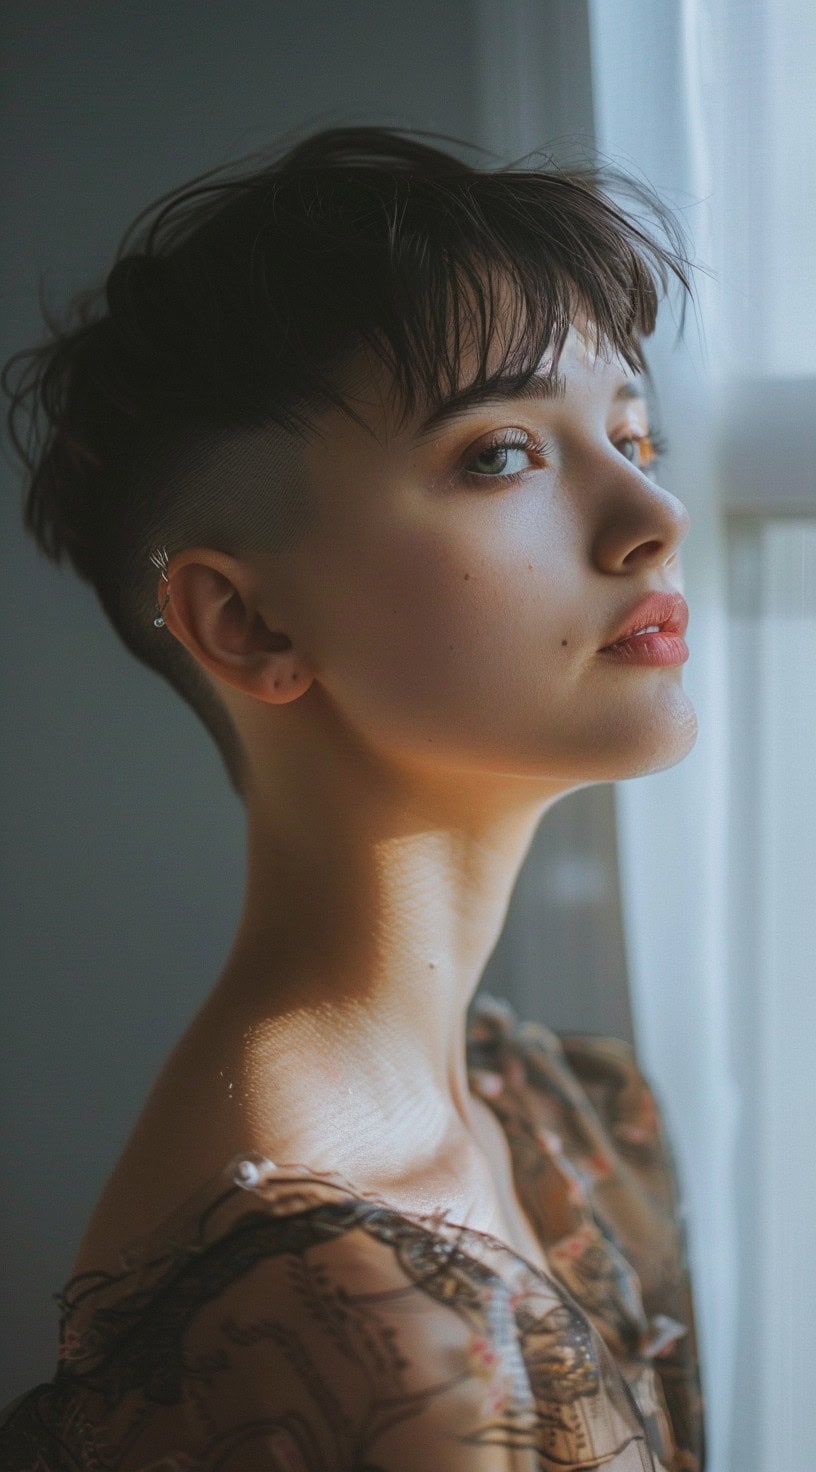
(667, 753)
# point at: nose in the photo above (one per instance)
(637, 522)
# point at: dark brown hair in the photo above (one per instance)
(239, 310)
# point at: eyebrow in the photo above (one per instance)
(540, 387)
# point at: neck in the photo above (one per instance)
(365, 930)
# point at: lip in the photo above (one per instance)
(668, 610)
(649, 649)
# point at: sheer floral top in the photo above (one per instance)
(284, 1322)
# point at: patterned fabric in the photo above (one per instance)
(283, 1321)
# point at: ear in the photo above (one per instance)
(213, 611)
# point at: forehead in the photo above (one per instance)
(581, 352)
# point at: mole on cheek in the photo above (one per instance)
(563, 641)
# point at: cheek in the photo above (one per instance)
(439, 630)
(403, 616)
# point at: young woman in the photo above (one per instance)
(356, 450)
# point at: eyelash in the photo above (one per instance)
(519, 439)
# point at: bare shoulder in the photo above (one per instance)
(166, 1162)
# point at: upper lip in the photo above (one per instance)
(668, 610)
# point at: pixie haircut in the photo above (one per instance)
(235, 316)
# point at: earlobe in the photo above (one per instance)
(290, 683)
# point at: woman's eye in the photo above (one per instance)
(646, 452)
(492, 459)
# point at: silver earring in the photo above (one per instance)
(160, 560)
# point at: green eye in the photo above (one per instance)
(500, 444)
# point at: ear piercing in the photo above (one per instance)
(160, 560)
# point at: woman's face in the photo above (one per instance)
(453, 616)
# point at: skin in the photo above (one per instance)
(441, 692)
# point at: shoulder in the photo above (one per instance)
(328, 1335)
(366, 1333)
(299, 1327)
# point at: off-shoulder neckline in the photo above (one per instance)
(151, 1255)
(172, 1234)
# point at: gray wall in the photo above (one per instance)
(123, 845)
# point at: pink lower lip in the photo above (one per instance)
(649, 649)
